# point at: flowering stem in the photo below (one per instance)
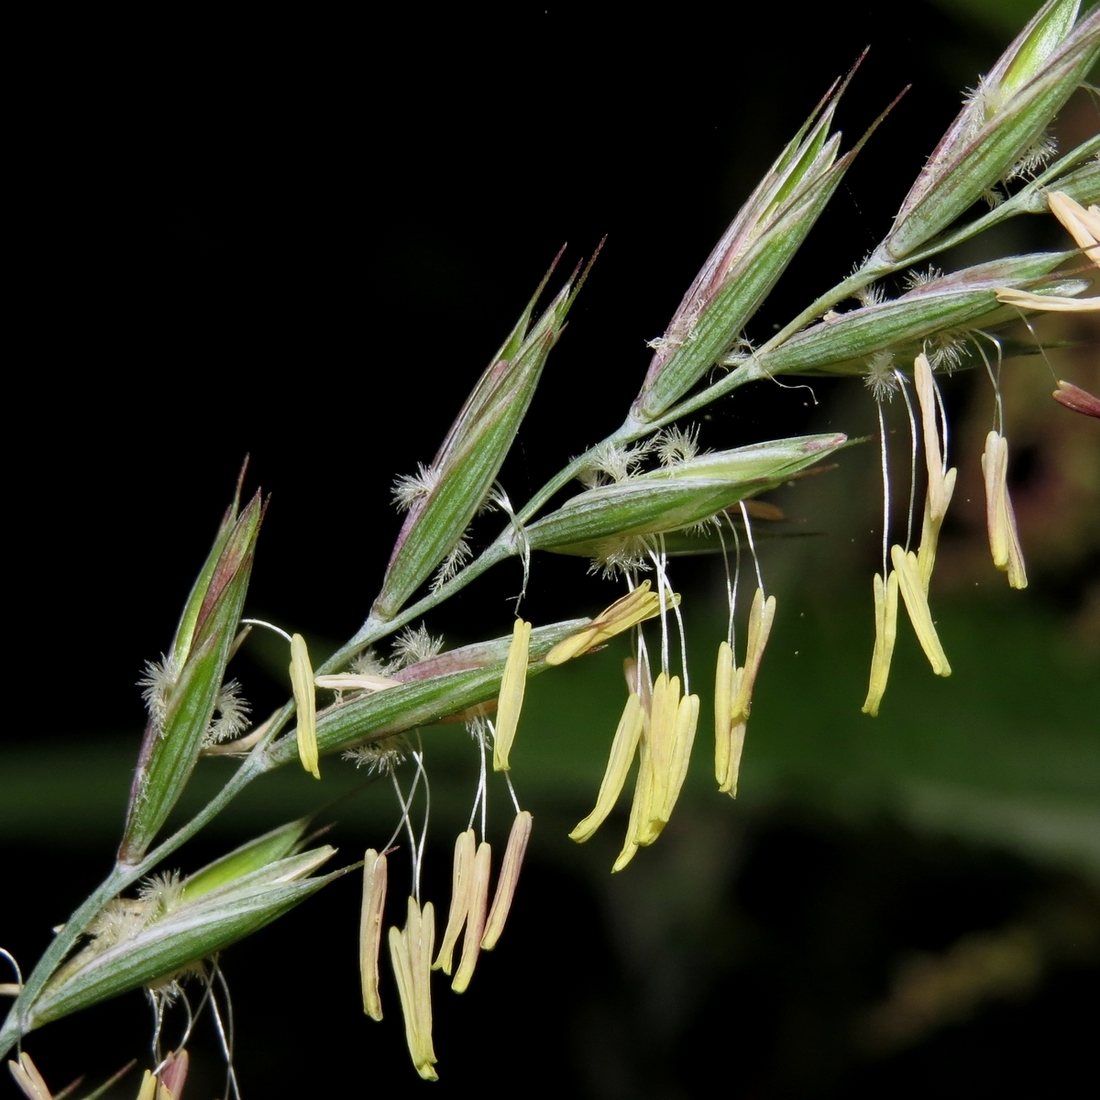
(122, 876)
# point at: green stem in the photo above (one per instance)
(121, 877)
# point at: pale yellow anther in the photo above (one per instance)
(1047, 303)
(1004, 541)
(475, 917)
(633, 608)
(623, 748)
(886, 630)
(462, 876)
(512, 685)
(1084, 227)
(661, 735)
(370, 929)
(687, 721)
(301, 681)
(151, 1089)
(729, 735)
(940, 484)
(411, 954)
(509, 876)
(355, 681)
(639, 807)
(666, 750)
(930, 529)
(724, 679)
(1081, 224)
(733, 687)
(30, 1081)
(761, 617)
(913, 592)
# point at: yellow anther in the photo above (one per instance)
(370, 929)
(30, 1081)
(509, 876)
(623, 747)
(411, 954)
(462, 874)
(1081, 224)
(475, 917)
(733, 689)
(639, 808)
(940, 484)
(1084, 227)
(633, 608)
(725, 678)
(761, 617)
(1004, 541)
(886, 630)
(915, 596)
(512, 685)
(666, 750)
(355, 681)
(301, 681)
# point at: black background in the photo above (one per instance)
(299, 236)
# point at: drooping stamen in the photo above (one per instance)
(512, 685)
(635, 607)
(301, 681)
(410, 953)
(915, 595)
(370, 929)
(623, 747)
(761, 617)
(902, 388)
(941, 480)
(1004, 540)
(886, 629)
(475, 917)
(725, 678)
(733, 689)
(462, 874)
(518, 837)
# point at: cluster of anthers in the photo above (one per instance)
(658, 726)
(911, 570)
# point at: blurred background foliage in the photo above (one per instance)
(302, 240)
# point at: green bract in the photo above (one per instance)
(1000, 122)
(182, 937)
(247, 858)
(470, 458)
(747, 261)
(192, 678)
(961, 300)
(677, 496)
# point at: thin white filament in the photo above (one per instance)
(225, 1035)
(269, 626)
(512, 792)
(994, 378)
(679, 617)
(500, 498)
(731, 628)
(885, 491)
(479, 797)
(752, 544)
(941, 408)
(661, 584)
(418, 756)
(912, 458)
(405, 821)
(729, 582)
